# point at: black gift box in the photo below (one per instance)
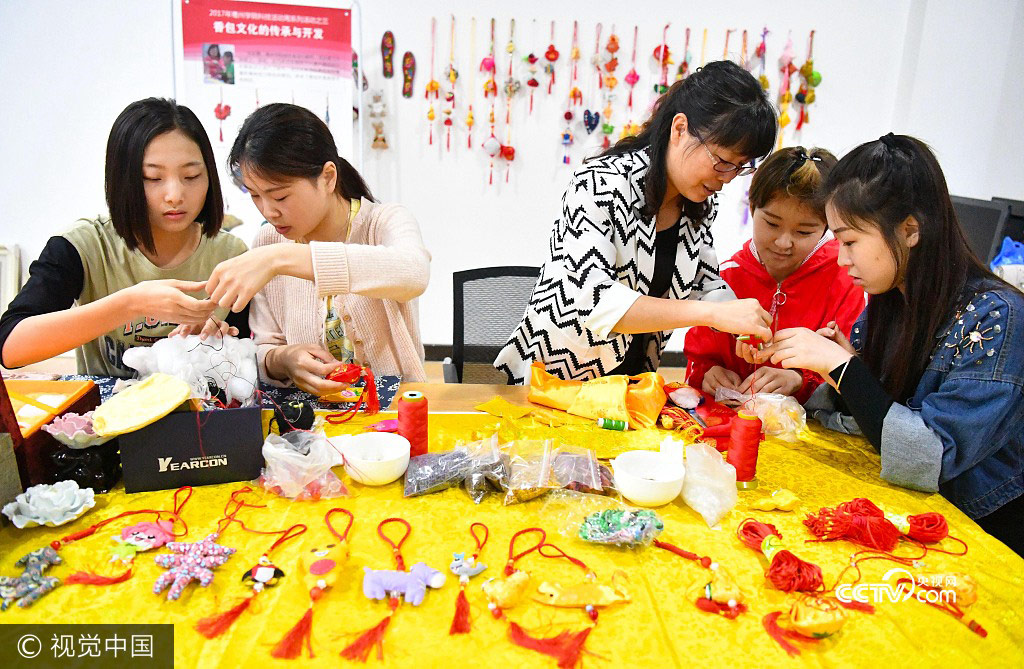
(189, 447)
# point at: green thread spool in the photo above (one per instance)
(612, 424)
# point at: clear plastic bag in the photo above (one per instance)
(530, 469)
(577, 469)
(710, 484)
(621, 527)
(599, 519)
(781, 415)
(730, 397)
(433, 472)
(298, 466)
(488, 468)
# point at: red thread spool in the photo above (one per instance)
(744, 440)
(412, 421)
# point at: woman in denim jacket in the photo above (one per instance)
(934, 377)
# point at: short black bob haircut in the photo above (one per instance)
(133, 130)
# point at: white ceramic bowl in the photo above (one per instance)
(648, 478)
(375, 458)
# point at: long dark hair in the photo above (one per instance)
(725, 104)
(882, 183)
(282, 140)
(133, 130)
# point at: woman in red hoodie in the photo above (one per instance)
(790, 267)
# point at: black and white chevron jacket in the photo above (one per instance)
(602, 260)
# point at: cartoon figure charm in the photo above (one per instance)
(141, 537)
(465, 568)
(262, 575)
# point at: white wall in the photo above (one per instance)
(943, 70)
(963, 95)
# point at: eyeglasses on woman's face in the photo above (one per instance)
(724, 166)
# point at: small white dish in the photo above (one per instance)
(648, 478)
(375, 458)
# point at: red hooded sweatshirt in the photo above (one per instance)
(819, 291)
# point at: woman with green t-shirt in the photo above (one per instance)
(139, 276)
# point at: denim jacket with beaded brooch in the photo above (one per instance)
(962, 433)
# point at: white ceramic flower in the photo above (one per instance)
(51, 505)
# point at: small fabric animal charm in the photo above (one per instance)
(809, 618)
(779, 500)
(31, 585)
(320, 567)
(465, 568)
(718, 593)
(262, 575)
(411, 585)
(506, 592)
(589, 595)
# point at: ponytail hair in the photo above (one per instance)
(722, 102)
(881, 184)
(283, 140)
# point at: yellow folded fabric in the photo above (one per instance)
(136, 407)
(645, 399)
(639, 403)
(603, 397)
(502, 408)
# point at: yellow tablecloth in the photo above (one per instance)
(660, 627)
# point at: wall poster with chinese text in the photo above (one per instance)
(232, 56)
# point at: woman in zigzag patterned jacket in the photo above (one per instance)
(632, 256)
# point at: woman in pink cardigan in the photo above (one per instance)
(335, 276)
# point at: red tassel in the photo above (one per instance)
(787, 572)
(88, 578)
(215, 625)
(566, 647)
(290, 645)
(361, 647)
(927, 527)
(777, 633)
(711, 606)
(370, 393)
(870, 531)
(704, 561)
(460, 623)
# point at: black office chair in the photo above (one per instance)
(984, 224)
(489, 303)
(1015, 223)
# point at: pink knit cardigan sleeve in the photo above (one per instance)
(388, 262)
